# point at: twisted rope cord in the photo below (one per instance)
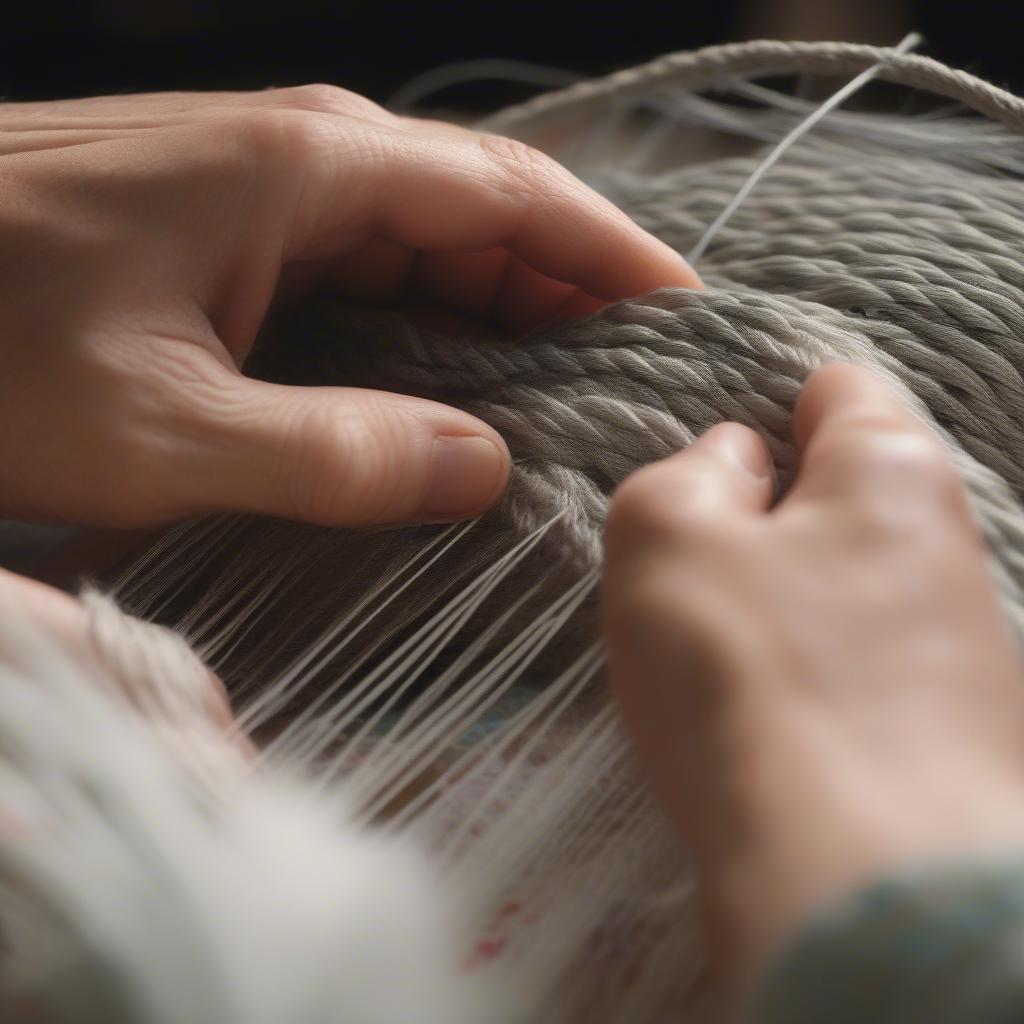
(779, 151)
(714, 65)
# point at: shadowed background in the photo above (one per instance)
(79, 47)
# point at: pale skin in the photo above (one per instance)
(837, 659)
(823, 691)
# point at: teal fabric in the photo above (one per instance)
(943, 945)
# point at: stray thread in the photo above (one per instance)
(908, 43)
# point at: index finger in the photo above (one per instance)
(448, 189)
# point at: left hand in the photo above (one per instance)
(143, 238)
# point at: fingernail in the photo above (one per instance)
(464, 475)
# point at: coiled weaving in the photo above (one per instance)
(446, 681)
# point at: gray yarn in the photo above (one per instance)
(858, 265)
(905, 258)
(908, 260)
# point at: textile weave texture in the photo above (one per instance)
(445, 682)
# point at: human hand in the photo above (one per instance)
(824, 691)
(143, 238)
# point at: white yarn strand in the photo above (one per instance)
(837, 98)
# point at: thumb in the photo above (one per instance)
(344, 456)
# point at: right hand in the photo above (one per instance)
(822, 691)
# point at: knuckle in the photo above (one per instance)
(307, 135)
(516, 157)
(273, 133)
(910, 475)
(308, 142)
(320, 98)
(344, 472)
(927, 465)
(910, 456)
(261, 133)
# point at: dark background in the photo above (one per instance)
(53, 50)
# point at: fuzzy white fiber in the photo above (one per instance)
(135, 888)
